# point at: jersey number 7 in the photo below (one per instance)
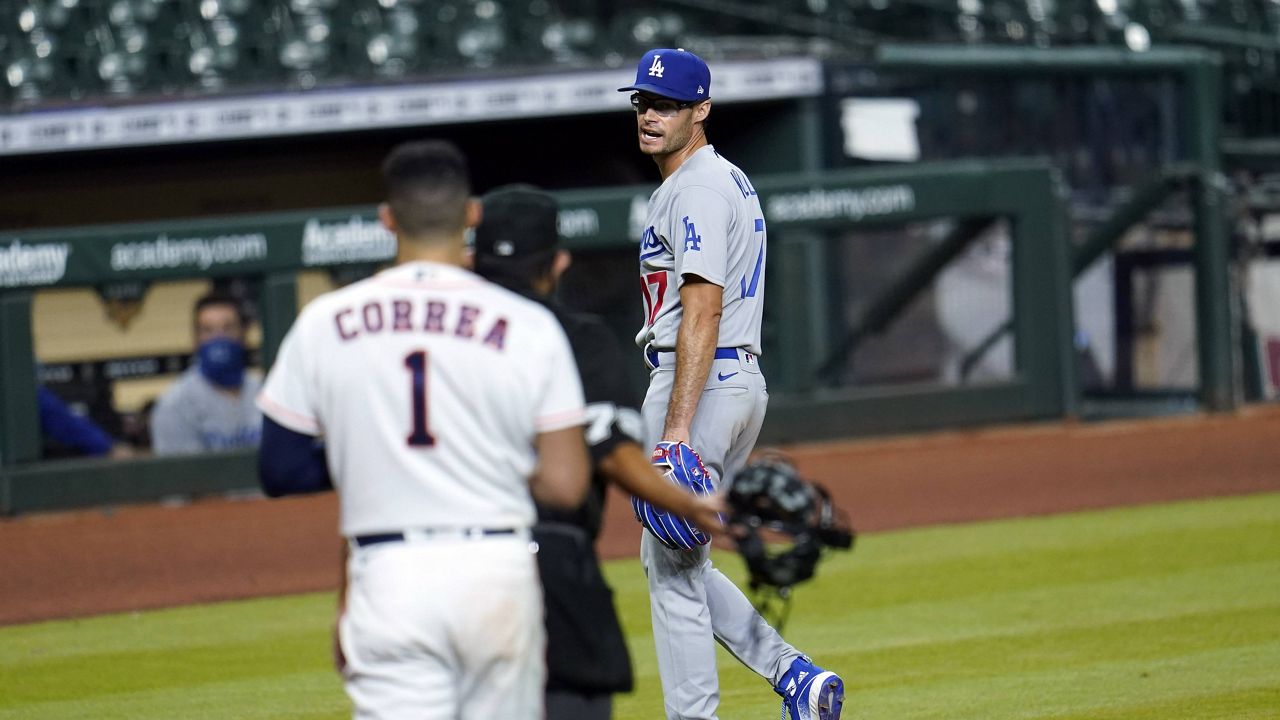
(416, 362)
(653, 301)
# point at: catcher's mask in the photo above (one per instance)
(768, 498)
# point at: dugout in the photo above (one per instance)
(273, 253)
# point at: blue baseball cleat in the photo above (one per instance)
(811, 693)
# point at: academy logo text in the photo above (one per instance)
(819, 204)
(346, 241)
(203, 253)
(42, 264)
(578, 222)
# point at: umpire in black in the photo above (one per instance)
(517, 245)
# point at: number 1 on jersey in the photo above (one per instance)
(417, 364)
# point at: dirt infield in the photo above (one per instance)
(82, 563)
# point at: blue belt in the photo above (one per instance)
(367, 540)
(723, 353)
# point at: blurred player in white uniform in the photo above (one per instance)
(444, 402)
(702, 262)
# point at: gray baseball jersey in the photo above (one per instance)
(192, 416)
(704, 220)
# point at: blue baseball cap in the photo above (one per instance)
(677, 74)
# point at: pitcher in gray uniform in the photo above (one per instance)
(702, 262)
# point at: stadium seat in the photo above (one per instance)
(54, 52)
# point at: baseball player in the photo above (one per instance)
(68, 433)
(517, 246)
(211, 406)
(444, 402)
(702, 262)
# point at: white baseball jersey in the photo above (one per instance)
(429, 386)
(705, 220)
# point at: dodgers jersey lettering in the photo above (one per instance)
(401, 372)
(705, 220)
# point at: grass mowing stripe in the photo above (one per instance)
(1099, 687)
(1064, 649)
(1049, 618)
(169, 629)
(884, 580)
(1235, 704)
(296, 696)
(1149, 556)
(1233, 587)
(1110, 526)
(278, 654)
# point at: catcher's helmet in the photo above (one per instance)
(769, 495)
(680, 464)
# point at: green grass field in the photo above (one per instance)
(1158, 612)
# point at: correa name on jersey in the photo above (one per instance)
(437, 317)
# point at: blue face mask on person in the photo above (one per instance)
(222, 362)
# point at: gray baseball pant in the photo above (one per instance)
(692, 604)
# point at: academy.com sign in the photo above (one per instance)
(821, 204)
(348, 241)
(39, 264)
(165, 252)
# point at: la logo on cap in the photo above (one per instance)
(689, 80)
(656, 69)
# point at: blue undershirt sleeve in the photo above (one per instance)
(58, 422)
(291, 463)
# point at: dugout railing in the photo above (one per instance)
(272, 249)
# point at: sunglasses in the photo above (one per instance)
(666, 107)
